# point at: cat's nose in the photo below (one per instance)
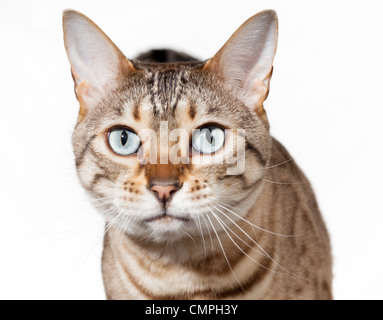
(164, 192)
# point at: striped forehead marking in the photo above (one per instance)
(165, 90)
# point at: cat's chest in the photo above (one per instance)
(137, 275)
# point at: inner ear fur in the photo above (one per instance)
(97, 64)
(245, 62)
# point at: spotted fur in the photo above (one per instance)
(254, 235)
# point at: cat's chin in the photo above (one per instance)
(166, 224)
(161, 227)
(166, 219)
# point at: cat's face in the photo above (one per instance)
(161, 148)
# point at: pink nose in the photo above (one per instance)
(164, 192)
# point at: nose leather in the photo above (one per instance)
(164, 192)
(163, 180)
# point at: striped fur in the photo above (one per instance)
(255, 235)
(291, 265)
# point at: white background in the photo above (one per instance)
(325, 106)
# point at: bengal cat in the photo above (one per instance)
(200, 201)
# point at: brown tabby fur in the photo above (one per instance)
(279, 249)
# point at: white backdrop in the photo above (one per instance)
(325, 106)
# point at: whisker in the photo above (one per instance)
(77, 263)
(109, 223)
(258, 227)
(252, 228)
(256, 243)
(287, 272)
(223, 251)
(202, 235)
(83, 226)
(244, 232)
(282, 183)
(101, 199)
(234, 184)
(277, 165)
(207, 228)
(66, 215)
(189, 235)
(120, 227)
(221, 223)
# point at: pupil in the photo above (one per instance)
(124, 137)
(209, 137)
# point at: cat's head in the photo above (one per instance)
(162, 148)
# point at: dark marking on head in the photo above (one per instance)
(167, 88)
(256, 152)
(136, 111)
(80, 158)
(152, 93)
(97, 177)
(192, 111)
(213, 110)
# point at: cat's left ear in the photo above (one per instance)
(245, 62)
(96, 62)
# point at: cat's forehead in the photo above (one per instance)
(181, 94)
(176, 93)
(166, 88)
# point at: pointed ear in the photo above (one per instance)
(97, 64)
(245, 62)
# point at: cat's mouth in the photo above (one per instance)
(167, 218)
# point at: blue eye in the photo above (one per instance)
(123, 141)
(208, 139)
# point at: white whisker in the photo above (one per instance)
(258, 227)
(256, 243)
(234, 184)
(286, 272)
(223, 250)
(277, 165)
(207, 228)
(120, 226)
(281, 183)
(202, 235)
(189, 235)
(223, 227)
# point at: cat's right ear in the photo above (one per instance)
(96, 62)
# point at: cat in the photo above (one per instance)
(191, 229)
